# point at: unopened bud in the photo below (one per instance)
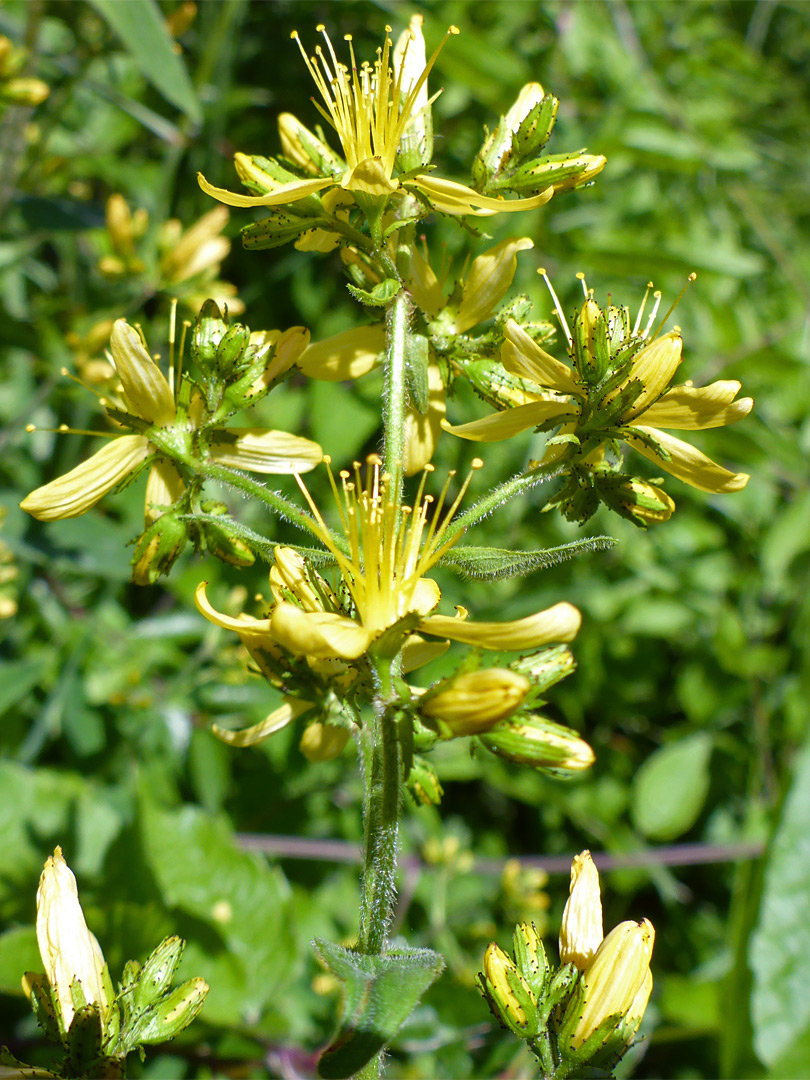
(416, 144)
(617, 983)
(209, 329)
(508, 994)
(473, 702)
(546, 667)
(530, 956)
(523, 131)
(423, 783)
(223, 543)
(535, 740)
(322, 742)
(639, 501)
(581, 931)
(157, 549)
(591, 347)
(174, 1013)
(230, 355)
(304, 149)
(24, 91)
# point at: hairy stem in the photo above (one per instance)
(239, 482)
(503, 493)
(381, 754)
(395, 392)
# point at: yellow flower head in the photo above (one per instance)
(383, 556)
(616, 388)
(166, 434)
(371, 107)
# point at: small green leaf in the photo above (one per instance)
(141, 27)
(380, 295)
(780, 944)
(671, 786)
(380, 993)
(493, 563)
(416, 367)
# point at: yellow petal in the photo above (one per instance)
(262, 451)
(370, 177)
(75, 492)
(243, 625)
(284, 193)
(422, 430)
(654, 367)
(321, 240)
(347, 355)
(475, 701)
(321, 634)
(690, 408)
(145, 387)
(523, 357)
(290, 574)
(688, 463)
(416, 652)
(323, 742)
(615, 977)
(488, 281)
(503, 425)
(163, 488)
(278, 719)
(451, 198)
(423, 285)
(426, 595)
(558, 623)
(68, 950)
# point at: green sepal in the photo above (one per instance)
(158, 548)
(536, 127)
(45, 1007)
(84, 1039)
(491, 564)
(416, 368)
(209, 329)
(380, 992)
(158, 971)
(530, 957)
(9, 1061)
(544, 172)
(230, 354)
(278, 229)
(545, 668)
(500, 1009)
(175, 1012)
(563, 988)
(380, 296)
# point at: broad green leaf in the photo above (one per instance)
(671, 787)
(18, 953)
(17, 678)
(141, 27)
(780, 945)
(201, 871)
(380, 992)
(494, 563)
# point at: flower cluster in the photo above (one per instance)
(616, 389)
(586, 1012)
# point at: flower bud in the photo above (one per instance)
(472, 703)
(304, 149)
(508, 994)
(24, 91)
(158, 549)
(546, 667)
(581, 932)
(591, 347)
(322, 742)
(69, 951)
(530, 956)
(416, 143)
(423, 783)
(617, 982)
(523, 131)
(535, 740)
(640, 501)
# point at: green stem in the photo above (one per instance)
(395, 392)
(503, 493)
(237, 480)
(381, 755)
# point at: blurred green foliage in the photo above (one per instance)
(693, 676)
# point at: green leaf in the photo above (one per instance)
(416, 360)
(494, 563)
(780, 945)
(200, 870)
(18, 953)
(382, 293)
(141, 27)
(671, 786)
(380, 993)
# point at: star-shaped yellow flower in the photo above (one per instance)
(628, 400)
(165, 434)
(370, 107)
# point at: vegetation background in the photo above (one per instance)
(693, 676)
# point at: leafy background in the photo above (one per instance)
(693, 675)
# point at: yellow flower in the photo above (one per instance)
(482, 289)
(618, 981)
(384, 556)
(581, 932)
(371, 107)
(69, 951)
(165, 434)
(632, 406)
